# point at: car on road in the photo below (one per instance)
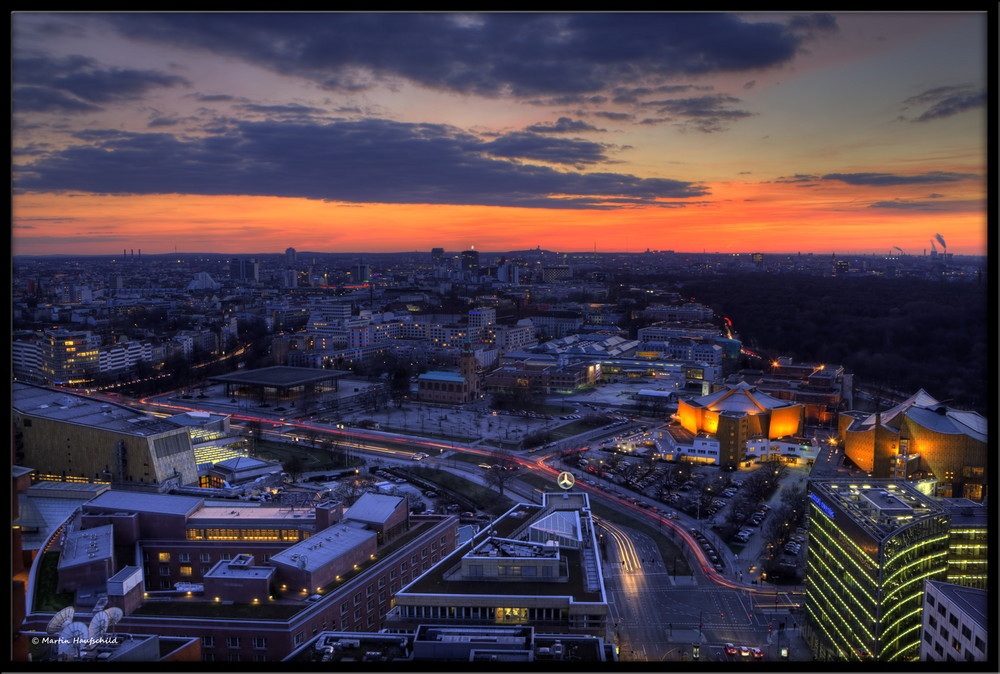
(419, 456)
(757, 653)
(745, 651)
(730, 649)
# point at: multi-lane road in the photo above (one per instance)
(656, 615)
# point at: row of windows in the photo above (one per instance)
(246, 534)
(208, 641)
(495, 613)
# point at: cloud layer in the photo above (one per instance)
(486, 54)
(373, 160)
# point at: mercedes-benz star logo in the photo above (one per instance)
(566, 480)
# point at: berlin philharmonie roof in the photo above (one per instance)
(740, 398)
(59, 406)
(926, 411)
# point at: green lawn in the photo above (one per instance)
(312, 458)
(46, 598)
(484, 498)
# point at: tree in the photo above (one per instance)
(502, 470)
(350, 490)
(294, 465)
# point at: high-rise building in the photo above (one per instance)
(289, 257)
(437, 256)
(968, 542)
(69, 358)
(872, 546)
(361, 273)
(470, 261)
(244, 269)
(955, 624)
(482, 320)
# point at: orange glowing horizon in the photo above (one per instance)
(736, 220)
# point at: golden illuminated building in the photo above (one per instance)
(920, 436)
(736, 414)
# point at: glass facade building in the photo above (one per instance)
(872, 546)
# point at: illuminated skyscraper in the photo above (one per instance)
(872, 545)
(470, 261)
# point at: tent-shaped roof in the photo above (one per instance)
(925, 410)
(741, 397)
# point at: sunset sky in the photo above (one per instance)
(250, 133)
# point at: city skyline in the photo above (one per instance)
(237, 133)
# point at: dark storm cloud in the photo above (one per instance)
(889, 179)
(364, 161)
(79, 84)
(946, 101)
(490, 54)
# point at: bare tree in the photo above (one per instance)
(503, 469)
(350, 490)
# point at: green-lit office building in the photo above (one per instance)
(872, 545)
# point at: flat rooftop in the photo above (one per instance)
(324, 547)
(968, 599)
(880, 506)
(87, 545)
(59, 406)
(144, 502)
(512, 529)
(240, 567)
(374, 508)
(281, 376)
(236, 514)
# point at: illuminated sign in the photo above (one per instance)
(827, 510)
